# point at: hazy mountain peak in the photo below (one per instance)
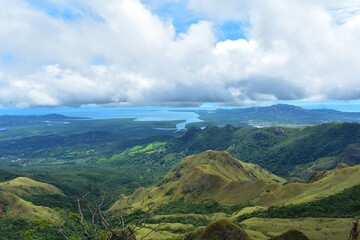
(286, 107)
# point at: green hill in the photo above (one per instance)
(350, 156)
(342, 204)
(278, 149)
(217, 176)
(208, 186)
(323, 185)
(13, 192)
(210, 175)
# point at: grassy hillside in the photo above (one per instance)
(115, 157)
(214, 178)
(328, 183)
(13, 192)
(23, 186)
(313, 228)
(186, 199)
(151, 148)
(207, 176)
(343, 204)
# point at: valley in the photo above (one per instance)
(179, 120)
(301, 173)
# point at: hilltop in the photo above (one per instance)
(210, 175)
(14, 192)
(218, 176)
(213, 184)
(203, 185)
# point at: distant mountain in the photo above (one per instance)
(15, 120)
(276, 114)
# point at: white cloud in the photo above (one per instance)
(294, 50)
(224, 10)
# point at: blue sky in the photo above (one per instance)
(175, 11)
(67, 13)
(182, 17)
(179, 53)
(65, 10)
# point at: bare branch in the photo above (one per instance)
(122, 219)
(59, 230)
(145, 217)
(355, 231)
(81, 222)
(153, 230)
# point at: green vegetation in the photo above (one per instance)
(350, 155)
(344, 204)
(67, 155)
(108, 158)
(53, 201)
(78, 142)
(208, 176)
(195, 220)
(279, 150)
(206, 207)
(20, 229)
(130, 152)
(313, 228)
(95, 180)
(311, 143)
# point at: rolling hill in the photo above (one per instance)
(320, 185)
(277, 149)
(217, 176)
(350, 156)
(210, 175)
(13, 204)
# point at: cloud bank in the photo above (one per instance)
(122, 52)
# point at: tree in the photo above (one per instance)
(93, 223)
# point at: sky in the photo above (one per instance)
(178, 53)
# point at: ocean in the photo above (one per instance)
(137, 113)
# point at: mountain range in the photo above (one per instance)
(212, 184)
(280, 114)
(260, 183)
(218, 176)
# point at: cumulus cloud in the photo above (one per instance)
(225, 10)
(120, 52)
